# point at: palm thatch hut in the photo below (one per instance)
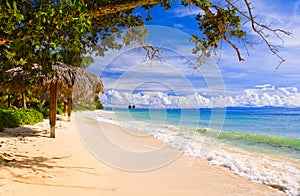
(73, 84)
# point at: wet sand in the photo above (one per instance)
(34, 164)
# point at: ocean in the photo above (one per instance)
(275, 121)
(260, 144)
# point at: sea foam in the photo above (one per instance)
(262, 168)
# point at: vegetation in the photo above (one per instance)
(69, 31)
(97, 103)
(14, 118)
(34, 102)
(45, 32)
(45, 110)
(88, 105)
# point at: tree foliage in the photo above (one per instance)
(14, 118)
(97, 103)
(47, 31)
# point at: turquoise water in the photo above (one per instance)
(267, 120)
(260, 144)
(266, 126)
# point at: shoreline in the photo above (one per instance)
(268, 165)
(35, 164)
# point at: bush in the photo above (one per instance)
(60, 108)
(14, 118)
(7, 119)
(46, 110)
(97, 103)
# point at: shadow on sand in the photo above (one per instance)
(23, 168)
(24, 132)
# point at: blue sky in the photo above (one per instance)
(172, 81)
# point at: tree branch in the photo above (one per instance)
(126, 5)
(109, 9)
(152, 53)
(260, 33)
(234, 47)
(4, 41)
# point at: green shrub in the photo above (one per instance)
(7, 119)
(60, 108)
(14, 118)
(97, 103)
(33, 117)
(46, 110)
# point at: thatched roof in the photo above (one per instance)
(72, 81)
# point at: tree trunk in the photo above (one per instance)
(53, 108)
(24, 100)
(43, 101)
(69, 102)
(125, 5)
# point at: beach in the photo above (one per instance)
(34, 164)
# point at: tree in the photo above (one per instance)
(86, 61)
(97, 103)
(44, 32)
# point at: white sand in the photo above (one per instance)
(277, 170)
(38, 165)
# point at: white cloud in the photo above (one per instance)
(262, 85)
(184, 12)
(267, 95)
(259, 68)
(297, 7)
(178, 25)
(262, 96)
(174, 72)
(293, 41)
(283, 15)
(276, 14)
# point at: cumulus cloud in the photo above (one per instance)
(183, 12)
(267, 96)
(262, 85)
(261, 95)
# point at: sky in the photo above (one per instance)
(173, 82)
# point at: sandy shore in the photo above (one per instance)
(31, 163)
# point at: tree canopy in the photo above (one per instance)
(48, 31)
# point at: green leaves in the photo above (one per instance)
(217, 24)
(7, 4)
(15, 5)
(39, 30)
(54, 45)
(43, 32)
(14, 118)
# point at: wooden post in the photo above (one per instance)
(69, 102)
(53, 107)
(24, 100)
